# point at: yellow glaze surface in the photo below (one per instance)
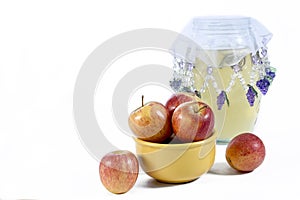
(176, 163)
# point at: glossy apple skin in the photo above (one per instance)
(119, 171)
(151, 122)
(178, 98)
(193, 121)
(245, 152)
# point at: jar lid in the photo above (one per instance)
(236, 35)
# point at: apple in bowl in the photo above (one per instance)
(178, 98)
(151, 122)
(193, 121)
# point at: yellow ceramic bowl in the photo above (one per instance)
(176, 163)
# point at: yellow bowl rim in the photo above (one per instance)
(213, 137)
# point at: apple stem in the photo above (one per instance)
(142, 100)
(201, 108)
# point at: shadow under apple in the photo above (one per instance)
(222, 168)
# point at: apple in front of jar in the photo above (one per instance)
(245, 152)
(119, 171)
(151, 122)
(178, 98)
(193, 121)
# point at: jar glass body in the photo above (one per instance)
(238, 116)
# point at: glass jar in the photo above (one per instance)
(228, 68)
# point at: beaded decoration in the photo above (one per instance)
(261, 76)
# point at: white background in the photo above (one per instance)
(42, 47)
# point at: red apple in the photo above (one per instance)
(118, 171)
(245, 152)
(179, 98)
(151, 122)
(193, 121)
